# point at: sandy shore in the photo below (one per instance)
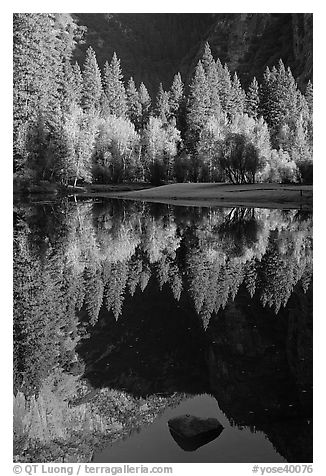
(219, 194)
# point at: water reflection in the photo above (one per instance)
(157, 301)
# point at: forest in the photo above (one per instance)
(76, 124)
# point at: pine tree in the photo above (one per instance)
(92, 84)
(78, 80)
(198, 104)
(207, 59)
(212, 78)
(176, 94)
(134, 107)
(113, 88)
(281, 103)
(267, 93)
(224, 85)
(70, 93)
(162, 104)
(237, 98)
(145, 101)
(252, 99)
(309, 117)
(42, 45)
(177, 102)
(93, 293)
(309, 96)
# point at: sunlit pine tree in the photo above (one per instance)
(252, 99)
(176, 95)
(198, 104)
(145, 101)
(212, 81)
(78, 80)
(224, 85)
(113, 88)
(309, 96)
(92, 83)
(237, 98)
(134, 107)
(162, 104)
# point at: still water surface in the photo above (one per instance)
(211, 305)
(155, 443)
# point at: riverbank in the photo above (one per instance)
(266, 195)
(50, 188)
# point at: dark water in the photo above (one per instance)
(212, 305)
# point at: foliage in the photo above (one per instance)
(198, 104)
(176, 95)
(114, 100)
(65, 131)
(116, 154)
(162, 104)
(134, 107)
(252, 99)
(237, 98)
(43, 44)
(280, 168)
(78, 136)
(92, 83)
(160, 147)
(145, 101)
(239, 158)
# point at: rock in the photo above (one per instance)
(191, 432)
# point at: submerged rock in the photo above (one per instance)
(191, 432)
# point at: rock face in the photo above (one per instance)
(191, 432)
(248, 42)
(151, 46)
(154, 46)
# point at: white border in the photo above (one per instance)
(136, 6)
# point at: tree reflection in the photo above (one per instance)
(155, 299)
